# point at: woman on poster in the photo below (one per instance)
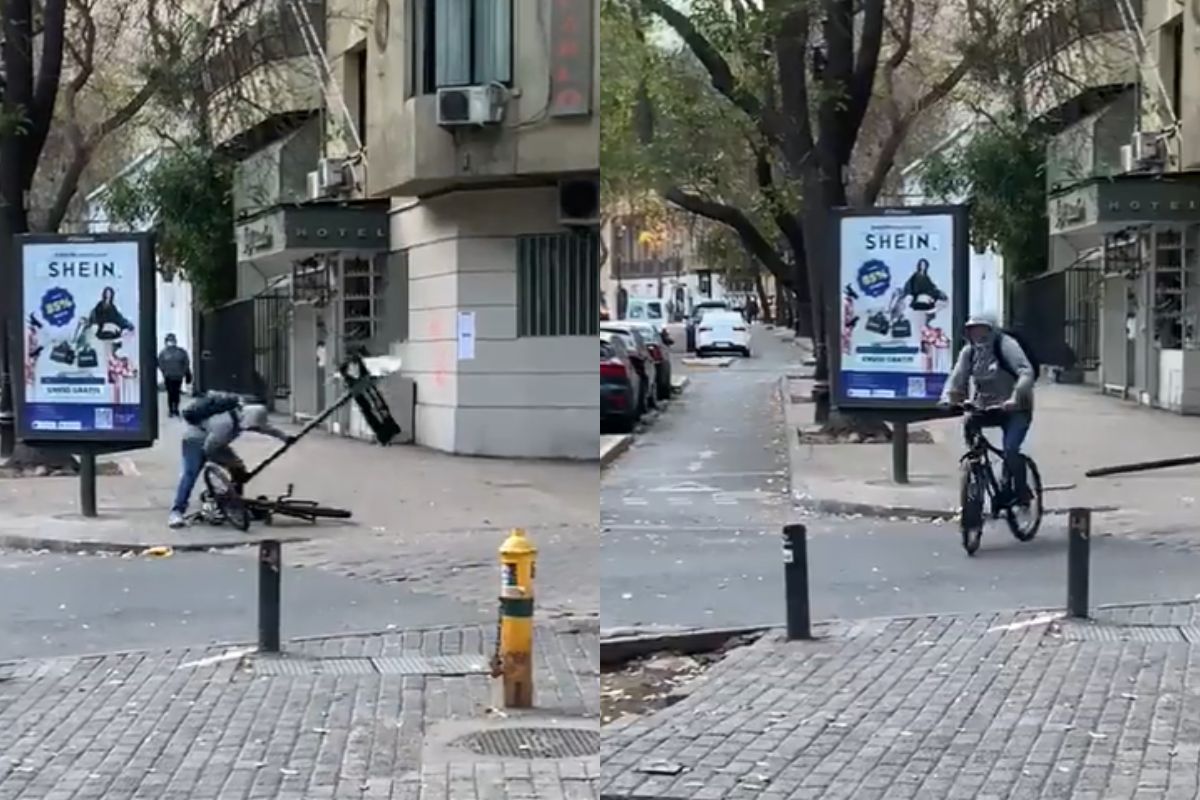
(111, 325)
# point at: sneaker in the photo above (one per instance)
(176, 520)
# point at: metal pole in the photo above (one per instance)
(87, 483)
(900, 452)
(1079, 536)
(795, 581)
(270, 558)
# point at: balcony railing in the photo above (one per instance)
(1058, 24)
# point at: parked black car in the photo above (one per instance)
(620, 386)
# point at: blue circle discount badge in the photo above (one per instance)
(58, 307)
(874, 278)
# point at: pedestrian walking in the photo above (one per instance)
(176, 369)
(751, 309)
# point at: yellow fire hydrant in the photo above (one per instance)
(514, 656)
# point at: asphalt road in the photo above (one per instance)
(53, 604)
(692, 514)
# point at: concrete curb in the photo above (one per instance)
(13, 541)
(613, 453)
(712, 363)
(620, 649)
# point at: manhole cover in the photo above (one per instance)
(533, 742)
(1085, 632)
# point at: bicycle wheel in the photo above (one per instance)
(1026, 528)
(225, 496)
(971, 517)
(307, 509)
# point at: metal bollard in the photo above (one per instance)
(270, 561)
(1079, 536)
(87, 483)
(795, 581)
(514, 647)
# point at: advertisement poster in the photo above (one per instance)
(80, 311)
(897, 278)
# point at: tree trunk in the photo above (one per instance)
(761, 290)
(13, 221)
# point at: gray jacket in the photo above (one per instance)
(978, 366)
(219, 431)
(174, 362)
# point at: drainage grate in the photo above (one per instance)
(1123, 633)
(392, 665)
(533, 742)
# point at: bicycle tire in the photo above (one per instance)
(306, 509)
(971, 496)
(1033, 480)
(225, 497)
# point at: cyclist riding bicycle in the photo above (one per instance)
(209, 437)
(1002, 375)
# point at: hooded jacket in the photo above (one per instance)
(979, 367)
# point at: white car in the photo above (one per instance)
(723, 330)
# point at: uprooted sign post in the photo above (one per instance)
(87, 305)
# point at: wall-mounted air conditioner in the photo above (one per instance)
(471, 106)
(1149, 148)
(333, 175)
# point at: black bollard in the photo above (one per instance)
(900, 452)
(87, 483)
(269, 574)
(1079, 537)
(795, 581)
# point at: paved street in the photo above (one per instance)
(972, 707)
(692, 516)
(66, 605)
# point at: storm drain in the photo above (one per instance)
(1129, 633)
(533, 742)
(381, 665)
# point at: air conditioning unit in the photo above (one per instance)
(579, 202)
(471, 106)
(1148, 148)
(1128, 162)
(333, 175)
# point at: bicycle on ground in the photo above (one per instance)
(980, 485)
(222, 502)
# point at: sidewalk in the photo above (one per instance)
(1075, 429)
(1004, 705)
(426, 518)
(400, 716)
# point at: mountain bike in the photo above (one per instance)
(979, 485)
(222, 503)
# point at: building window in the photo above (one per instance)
(558, 285)
(362, 303)
(461, 43)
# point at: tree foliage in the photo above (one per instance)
(186, 195)
(1001, 171)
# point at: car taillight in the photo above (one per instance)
(613, 369)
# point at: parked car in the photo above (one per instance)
(647, 309)
(698, 311)
(643, 362)
(657, 343)
(723, 331)
(619, 386)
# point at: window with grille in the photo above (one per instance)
(558, 285)
(362, 301)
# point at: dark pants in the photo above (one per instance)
(1015, 427)
(174, 391)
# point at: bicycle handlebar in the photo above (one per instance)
(971, 408)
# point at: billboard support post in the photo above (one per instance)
(902, 291)
(86, 346)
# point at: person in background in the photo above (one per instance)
(176, 369)
(751, 309)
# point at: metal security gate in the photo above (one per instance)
(244, 348)
(1058, 313)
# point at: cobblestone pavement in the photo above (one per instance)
(989, 706)
(212, 723)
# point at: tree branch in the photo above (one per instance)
(866, 65)
(719, 72)
(791, 47)
(45, 89)
(749, 234)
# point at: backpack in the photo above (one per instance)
(1025, 348)
(210, 405)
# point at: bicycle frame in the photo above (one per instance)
(978, 454)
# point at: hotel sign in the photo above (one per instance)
(1126, 201)
(571, 29)
(322, 228)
